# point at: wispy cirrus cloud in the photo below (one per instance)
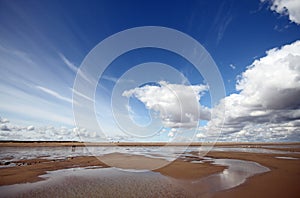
(23, 93)
(68, 62)
(54, 94)
(222, 20)
(77, 70)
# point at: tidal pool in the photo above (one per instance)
(113, 182)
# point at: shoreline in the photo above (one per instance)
(283, 174)
(83, 144)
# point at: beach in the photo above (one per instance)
(227, 170)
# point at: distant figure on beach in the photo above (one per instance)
(73, 148)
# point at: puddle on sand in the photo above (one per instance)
(105, 182)
(112, 182)
(236, 173)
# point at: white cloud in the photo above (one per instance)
(286, 7)
(82, 95)
(268, 105)
(9, 131)
(232, 66)
(200, 135)
(76, 70)
(53, 93)
(172, 132)
(30, 128)
(4, 120)
(21, 103)
(273, 81)
(68, 63)
(20, 99)
(4, 127)
(178, 105)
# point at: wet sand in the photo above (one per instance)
(29, 173)
(31, 169)
(282, 181)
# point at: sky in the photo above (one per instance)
(150, 93)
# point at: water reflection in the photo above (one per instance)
(236, 173)
(105, 182)
(287, 158)
(112, 182)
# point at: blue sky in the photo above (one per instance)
(42, 43)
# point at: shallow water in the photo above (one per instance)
(236, 173)
(282, 146)
(250, 150)
(112, 182)
(10, 154)
(105, 182)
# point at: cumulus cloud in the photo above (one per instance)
(178, 105)
(4, 120)
(30, 128)
(4, 127)
(273, 82)
(172, 132)
(267, 106)
(286, 7)
(10, 131)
